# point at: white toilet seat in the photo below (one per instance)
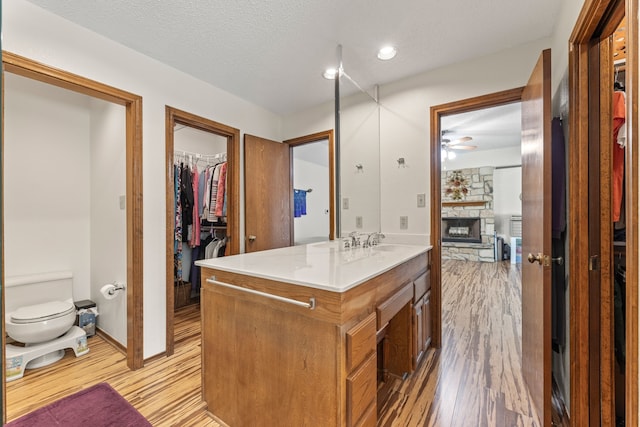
(42, 312)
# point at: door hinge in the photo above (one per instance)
(594, 263)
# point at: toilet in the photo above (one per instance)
(40, 313)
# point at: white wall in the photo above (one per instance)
(34, 33)
(108, 221)
(359, 145)
(198, 141)
(509, 156)
(46, 181)
(314, 226)
(507, 188)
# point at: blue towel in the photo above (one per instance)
(299, 203)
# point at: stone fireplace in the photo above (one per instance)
(468, 222)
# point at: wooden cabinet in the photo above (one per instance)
(361, 365)
(421, 327)
(269, 362)
(421, 321)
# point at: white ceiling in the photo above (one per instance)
(491, 128)
(272, 53)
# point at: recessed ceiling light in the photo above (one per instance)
(330, 73)
(387, 52)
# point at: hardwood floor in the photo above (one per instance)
(474, 380)
(166, 391)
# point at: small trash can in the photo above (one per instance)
(86, 312)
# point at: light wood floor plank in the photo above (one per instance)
(166, 391)
(473, 380)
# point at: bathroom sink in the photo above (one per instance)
(386, 247)
(333, 244)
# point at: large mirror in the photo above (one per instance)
(359, 145)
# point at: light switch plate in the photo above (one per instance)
(422, 200)
(123, 202)
(358, 222)
(345, 203)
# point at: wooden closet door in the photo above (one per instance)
(267, 171)
(536, 236)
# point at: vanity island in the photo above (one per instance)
(304, 335)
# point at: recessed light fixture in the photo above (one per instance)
(387, 52)
(330, 73)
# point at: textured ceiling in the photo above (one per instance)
(272, 53)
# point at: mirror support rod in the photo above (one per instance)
(336, 151)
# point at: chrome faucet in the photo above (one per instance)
(373, 239)
(355, 239)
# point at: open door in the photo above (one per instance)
(536, 236)
(267, 200)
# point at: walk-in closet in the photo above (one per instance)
(200, 206)
(618, 276)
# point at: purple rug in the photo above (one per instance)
(96, 406)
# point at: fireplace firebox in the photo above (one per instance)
(461, 230)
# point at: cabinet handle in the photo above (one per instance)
(311, 305)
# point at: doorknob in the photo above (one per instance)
(252, 237)
(539, 258)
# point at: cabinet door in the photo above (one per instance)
(361, 391)
(426, 317)
(418, 331)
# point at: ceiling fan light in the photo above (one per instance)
(330, 73)
(387, 52)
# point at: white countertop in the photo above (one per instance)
(318, 265)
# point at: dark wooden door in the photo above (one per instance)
(536, 236)
(267, 182)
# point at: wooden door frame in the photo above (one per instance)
(28, 68)
(319, 136)
(437, 112)
(593, 16)
(175, 116)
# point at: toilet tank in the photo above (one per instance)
(39, 288)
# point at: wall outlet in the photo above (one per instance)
(404, 222)
(123, 202)
(422, 200)
(345, 203)
(358, 222)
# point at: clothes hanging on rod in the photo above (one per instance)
(618, 152)
(193, 194)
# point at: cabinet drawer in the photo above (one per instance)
(393, 305)
(361, 341)
(421, 285)
(361, 390)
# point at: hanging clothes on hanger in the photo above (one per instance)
(186, 198)
(195, 216)
(558, 226)
(618, 151)
(177, 250)
(222, 184)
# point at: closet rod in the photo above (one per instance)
(185, 154)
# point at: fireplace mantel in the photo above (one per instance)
(464, 203)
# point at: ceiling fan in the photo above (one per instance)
(448, 144)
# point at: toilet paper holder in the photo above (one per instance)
(110, 290)
(116, 287)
